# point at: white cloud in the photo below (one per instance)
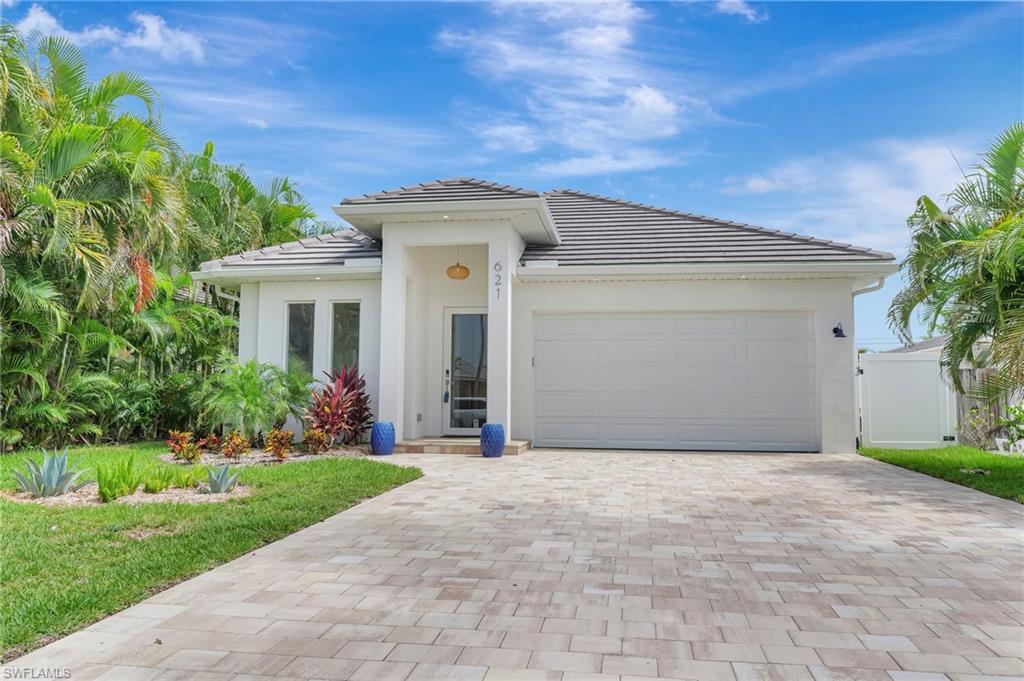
(587, 92)
(740, 8)
(861, 196)
(151, 34)
(515, 137)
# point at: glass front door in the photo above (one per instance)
(465, 371)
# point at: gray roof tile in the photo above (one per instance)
(595, 230)
(323, 249)
(451, 189)
(600, 230)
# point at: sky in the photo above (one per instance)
(827, 119)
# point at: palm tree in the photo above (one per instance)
(965, 267)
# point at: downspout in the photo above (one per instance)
(221, 294)
(860, 416)
(868, 289)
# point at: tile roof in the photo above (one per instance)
(451, 189)
(323, 249)
(600, 230)
(595, 230)
(927, 344)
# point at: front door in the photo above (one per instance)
(465, 370)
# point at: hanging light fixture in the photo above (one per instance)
(458, 270)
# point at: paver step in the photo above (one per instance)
(467, 446)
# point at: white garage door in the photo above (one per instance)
(707, 381)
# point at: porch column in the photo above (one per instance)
(501, 261)
(391, 395)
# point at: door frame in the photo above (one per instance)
(446, 362)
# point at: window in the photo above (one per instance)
(300, 337)
(345, 336)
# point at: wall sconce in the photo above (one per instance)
(837, 331)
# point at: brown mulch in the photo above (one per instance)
(89, 496)
(260, 457)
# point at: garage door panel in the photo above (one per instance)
(790, 352)
(728, 381)
(698, 325)
(779, 325)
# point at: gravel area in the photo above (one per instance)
(260, 457)
(89, 496)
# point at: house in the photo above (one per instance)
(584, 321)
(933, 345)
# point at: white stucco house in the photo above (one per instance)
(585, 321)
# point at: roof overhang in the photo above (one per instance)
(858, 271)
(356, 268)
(529, 215)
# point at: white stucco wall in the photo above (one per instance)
(264, 314)
(427, 292)
(828, 300)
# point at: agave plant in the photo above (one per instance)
(51, 479)
(220, 480)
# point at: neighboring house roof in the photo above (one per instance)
(323, 249)
(930, 344)
(599, 230)
(451, 189)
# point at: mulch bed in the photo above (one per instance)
(260, 457)
(89, 496)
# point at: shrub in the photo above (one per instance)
(316, 440)
(176, 439)
(185, 478)
(210, 443)
(51, 479)
(252, 397)
(1013, 424)
(220, 480)
(279, 443)
(235, 444)
(341, 408)
(157, 479)
(118, 479)
(190, 452)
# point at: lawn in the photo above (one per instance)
(63, 568)
(1005, 474)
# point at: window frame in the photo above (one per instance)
(358, 302)
(287, 333)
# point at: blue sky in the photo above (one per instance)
(824, 118)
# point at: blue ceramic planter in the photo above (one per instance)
(492, 440)
(382, 438)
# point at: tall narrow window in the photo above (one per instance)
(300, 337)
(345, 336)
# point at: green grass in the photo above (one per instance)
(62, 568)
(1005, 474)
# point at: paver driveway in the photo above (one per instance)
(567, 565)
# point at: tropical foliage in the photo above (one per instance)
(340, 408)
(103, 336)
(965, 267)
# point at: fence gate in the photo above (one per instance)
(905, 402)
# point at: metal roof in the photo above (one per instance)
(600, 230)
(323, 249)
(451, 189)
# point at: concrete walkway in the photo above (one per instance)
(603, 565)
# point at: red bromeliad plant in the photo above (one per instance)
(341, 409)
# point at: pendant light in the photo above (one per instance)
(458, 270)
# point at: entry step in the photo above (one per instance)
(467, 446)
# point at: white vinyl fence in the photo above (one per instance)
(905, 402)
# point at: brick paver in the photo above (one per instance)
(569, 565)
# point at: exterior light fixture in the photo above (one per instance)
(444, 217)
(837, 331)
(458, 271)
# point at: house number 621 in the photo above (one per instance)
(497, 278)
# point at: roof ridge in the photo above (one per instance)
(728, 223)
(442, 182)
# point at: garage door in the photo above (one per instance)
(708, 381)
